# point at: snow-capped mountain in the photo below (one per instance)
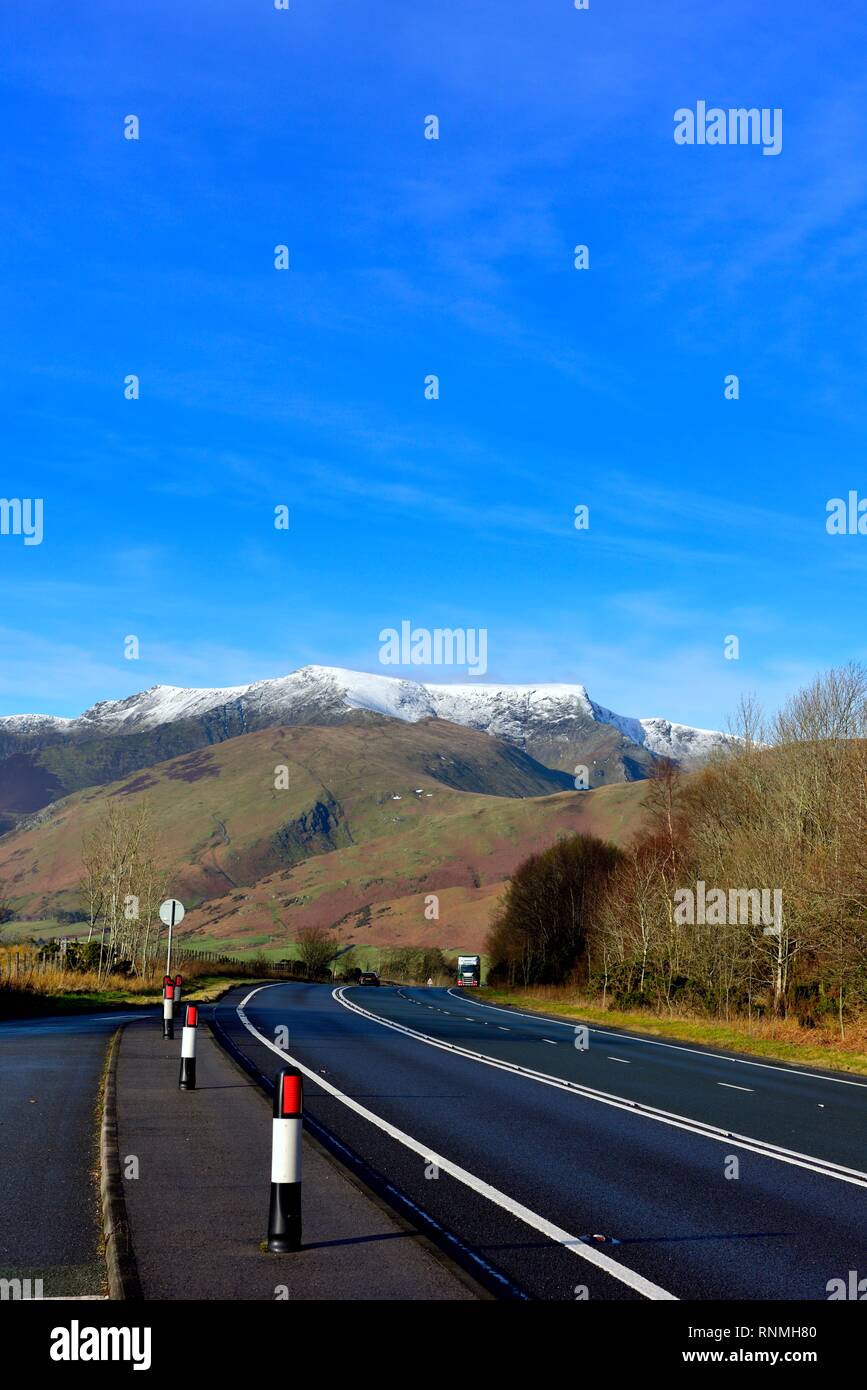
(507, 710)
(34, 723)
(557, 724)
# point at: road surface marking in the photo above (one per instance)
(502, 1029)
(731, 1087)
(501, 1199)
(549, 1040)
(676, 1047)
(824, 1167)
(622, 1060)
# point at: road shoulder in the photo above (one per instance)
(197, 1209)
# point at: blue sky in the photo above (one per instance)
(410, 257)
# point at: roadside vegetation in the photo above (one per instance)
(45, 986)
(55, 979)
(777, 1039)
(782, 810)
(411, 966)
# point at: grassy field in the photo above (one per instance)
(27, 931)
(783, 1040)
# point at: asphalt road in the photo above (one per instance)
(705, 1177)
(823, 1114)
(50, 1229)
(198, 1205)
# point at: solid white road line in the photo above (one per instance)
(501, 1199)
(675, 1047)
(822, 1166)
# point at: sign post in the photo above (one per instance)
(172, 913)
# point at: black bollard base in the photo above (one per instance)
(284, 1218)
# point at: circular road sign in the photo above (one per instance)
(172, 912)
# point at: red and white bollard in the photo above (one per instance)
(179, 983)
(284, 1217)
(187, 1080)
(169, 1011)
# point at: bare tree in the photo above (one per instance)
(123, 884)
(315, 948)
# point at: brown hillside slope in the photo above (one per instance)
(373, 818)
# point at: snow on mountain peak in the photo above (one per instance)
(303, 696)
(33, 723)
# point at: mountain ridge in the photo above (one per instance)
(499, 709)
(44, 758)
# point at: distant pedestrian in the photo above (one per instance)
(430, 981)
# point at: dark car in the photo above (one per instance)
(369, 977)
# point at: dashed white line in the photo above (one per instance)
(620, 1059)
(674, 1047)
(730, 1087)
(743, 1141)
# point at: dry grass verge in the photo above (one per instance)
(55, 991)
(784, 1040)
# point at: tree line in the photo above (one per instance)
(782, 808)
(318, 953)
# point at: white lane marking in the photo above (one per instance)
(647, 1112)
(675, 1047)
(731, 1087)
(549, 1040)
(501, 1199)
(622, 1060)
(502, 1029)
